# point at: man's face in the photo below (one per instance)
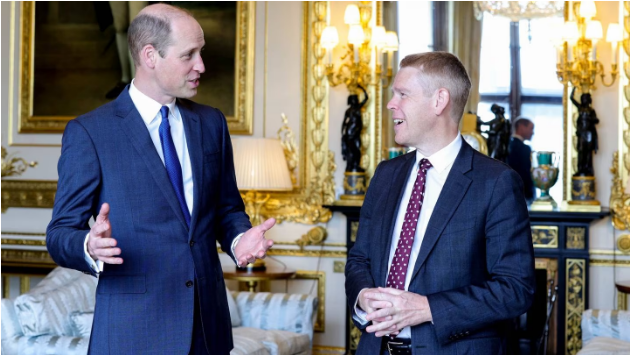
(411, 108)
(527, 131)
(177, 74)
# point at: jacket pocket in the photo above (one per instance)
(122, 284)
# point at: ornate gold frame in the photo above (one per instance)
(241, 123)
(315, 184)
(619, 199)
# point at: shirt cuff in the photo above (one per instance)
(234, 242)
(96, 266)
(359, 314)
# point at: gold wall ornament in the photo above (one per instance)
(545, 236)
(240, 123)
(576, 237)
(28, 193)
(619, 195)
(623, 243)
(14, 166)
(287, 140)
(575, 289)
(315, 236)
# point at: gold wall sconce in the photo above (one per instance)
(577, 60)
(365, 42)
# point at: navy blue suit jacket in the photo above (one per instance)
(520, 159)
(144, 306)
(476, 263)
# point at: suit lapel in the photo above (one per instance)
(192, 128)
(396, 192)
(453, 192)
(137, 132)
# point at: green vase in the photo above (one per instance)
(545, 175)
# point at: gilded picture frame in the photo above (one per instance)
(240, 122)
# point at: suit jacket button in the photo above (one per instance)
(192, 242)
(466, 333)
(189, 283)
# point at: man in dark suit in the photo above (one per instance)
(443, 256)
(520, 154)
(158, 169)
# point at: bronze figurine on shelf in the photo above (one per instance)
(498, 134)
(354, 183)
(583, 181)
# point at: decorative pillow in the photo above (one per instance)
(277, 342)
(234, 316)
(278, 311)
(45, 309)
(605, 323)
(81, 323)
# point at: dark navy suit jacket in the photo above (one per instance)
(476, 263)
(145, 305)
(520, 159)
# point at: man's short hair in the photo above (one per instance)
(154, 30)
(522, 121)
(442, 70)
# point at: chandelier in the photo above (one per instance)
(577, 60)
(519, 10)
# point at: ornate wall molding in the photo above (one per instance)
(619, 198)
(315, 186)
(320, 278)
(28, 193)
(575, 289)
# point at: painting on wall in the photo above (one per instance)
(72, 62)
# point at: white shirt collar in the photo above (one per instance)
(146, 106)
(444, 157)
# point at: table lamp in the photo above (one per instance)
(260, 167)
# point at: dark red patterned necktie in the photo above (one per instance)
(398, 269)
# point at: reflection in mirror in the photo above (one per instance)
(518, 73)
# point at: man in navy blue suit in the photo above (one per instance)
(443, 258)
(520, 154)
(156, 172)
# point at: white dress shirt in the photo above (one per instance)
(442, 162)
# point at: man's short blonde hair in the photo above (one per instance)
(442, 70)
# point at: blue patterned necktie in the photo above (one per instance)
(173, 168)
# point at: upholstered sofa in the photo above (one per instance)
(605, 332)
(55, 317)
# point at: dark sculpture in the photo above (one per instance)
(587, 141)
(498, 134)
(351, 133)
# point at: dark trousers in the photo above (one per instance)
(198, 344)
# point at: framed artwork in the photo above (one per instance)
(69, 61)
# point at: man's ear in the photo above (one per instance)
(442, 99)
(148, 56)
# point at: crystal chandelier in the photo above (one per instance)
(519, 10)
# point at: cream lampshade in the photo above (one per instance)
(260, 166)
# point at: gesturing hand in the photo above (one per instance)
(253, 244)
(408, 309)
(101, 245)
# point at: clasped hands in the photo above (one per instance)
(101, 246)
(391, 310)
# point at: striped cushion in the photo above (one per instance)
(246, 345)
(277, 342)
(47, 344)
(605, 346)
(81, 323)
(45, 309)
(605, 323)
(235, 317)
(278, 311)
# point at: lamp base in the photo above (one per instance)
(258, 265)
(547, 204)
(354, 185)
